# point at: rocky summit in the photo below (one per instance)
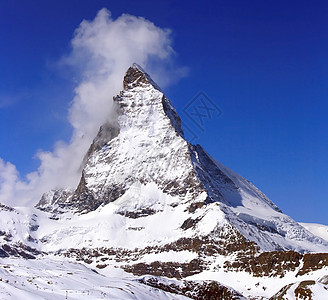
(162, 219)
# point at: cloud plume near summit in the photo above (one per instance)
(102, 50)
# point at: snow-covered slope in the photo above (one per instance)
(18, 232)
(308, 289)
(52, 279)
(317, 229)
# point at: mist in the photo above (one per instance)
(102, 49)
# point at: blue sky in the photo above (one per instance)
(262, 63)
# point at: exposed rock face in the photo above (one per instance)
(106, 133)
(307, 289)
(18, 250)
(207, 290)
(55, 201)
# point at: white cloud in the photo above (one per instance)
(102, 50)
(8, 179)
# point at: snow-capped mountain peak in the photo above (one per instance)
(151, 204)
(144, 166)
(135, 76)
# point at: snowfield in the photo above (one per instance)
(51, 279)
(317, 229)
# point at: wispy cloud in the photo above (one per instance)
(102, 50)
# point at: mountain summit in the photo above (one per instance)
(152, 207)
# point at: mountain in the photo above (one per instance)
(143, 164)
(164, 214)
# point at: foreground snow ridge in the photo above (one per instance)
(52, 279)
(155, 217)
